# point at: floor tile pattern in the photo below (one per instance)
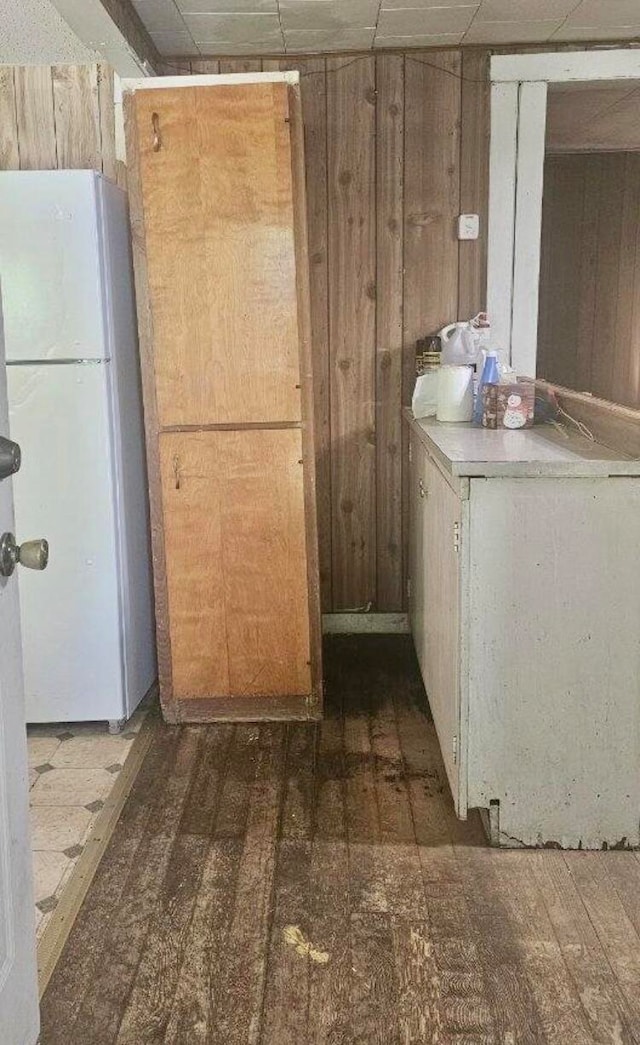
(72, 769)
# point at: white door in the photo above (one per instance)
(19, 1017)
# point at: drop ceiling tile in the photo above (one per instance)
(329, 39)
(524, 10)
(425, 21)
(174, 43)
(160, 16)
(437, 40)
(231, 27)
(598, 32)
(228, 6)
(606, 12)
(511, 32)
(423, 5)
(328, 14)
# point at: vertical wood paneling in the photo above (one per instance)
(9, 152)
(389, 311)
(314, 106)
(36, 122)
(107, 122)
(589, 334)
(240, 65)
(206, 67)
(58, 117)
(352, 228)
(431, 205)
(474, 180)
(77, 116)
(432, 193)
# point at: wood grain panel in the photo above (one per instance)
(474, 180)
(77, 116)
(9, 151)
(236, 563)
(219, 231)
(389, 310)
(36, 123)
(57, 117)
(240, 65)
(107, 122)
(351, 116)
(314, 109)
(431, 204)
(589, 332)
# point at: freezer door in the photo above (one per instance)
(50, 265)
(64, 492)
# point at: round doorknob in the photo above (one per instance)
(9, 457)
(32, 554)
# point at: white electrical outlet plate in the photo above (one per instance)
(468, 226)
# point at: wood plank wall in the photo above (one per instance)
(396, 146)
(58, 117)
(589, 327)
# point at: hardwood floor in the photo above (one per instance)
(309, 883)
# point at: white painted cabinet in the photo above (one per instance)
(525, 608)
(435, 582)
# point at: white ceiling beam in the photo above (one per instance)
(113, 28)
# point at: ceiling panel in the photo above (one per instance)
(222, 27)
(32, 32)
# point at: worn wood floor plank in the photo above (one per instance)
(85, 947)
(149, 1008)
(127, 926)
(237, 1015)
(309, 884)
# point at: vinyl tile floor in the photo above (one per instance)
(72, 770)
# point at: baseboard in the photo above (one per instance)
(365, 624)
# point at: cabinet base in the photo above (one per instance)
(300, 708)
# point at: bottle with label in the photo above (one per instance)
(490, 376)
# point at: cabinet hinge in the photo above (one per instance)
(409, 588)
(456, 536)
(455, 749)
(410, 453)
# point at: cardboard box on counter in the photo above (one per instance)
(508, 406)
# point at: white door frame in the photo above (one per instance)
(518, 123)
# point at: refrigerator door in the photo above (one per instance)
(50, 265)
(73, 660)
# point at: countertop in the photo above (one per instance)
(467, 450)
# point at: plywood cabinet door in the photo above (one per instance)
(217, 190)
(236, 563)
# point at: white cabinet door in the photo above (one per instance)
(441, 576)
(18, 988)
(434, 604)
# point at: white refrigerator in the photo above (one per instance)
(76, 411)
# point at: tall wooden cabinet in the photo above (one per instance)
(216, 178)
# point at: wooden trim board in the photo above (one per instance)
(301, 707)
(129, 86)
(145, 335)
(615, 426)
(301, 247)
